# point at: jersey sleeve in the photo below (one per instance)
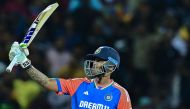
(68, 86)
(124, 100)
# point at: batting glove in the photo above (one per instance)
(20, 55)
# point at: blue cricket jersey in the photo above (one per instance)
(86, 95)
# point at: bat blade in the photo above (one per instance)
(37, 25)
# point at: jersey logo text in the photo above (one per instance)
(90, 105)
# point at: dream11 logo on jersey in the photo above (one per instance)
(90, 105)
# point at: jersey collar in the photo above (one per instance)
(100, 87)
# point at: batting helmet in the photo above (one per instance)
(104, 53)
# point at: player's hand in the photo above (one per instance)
(20, 55)
(15, 48)
(14, 51)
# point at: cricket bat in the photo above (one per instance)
(34, 29)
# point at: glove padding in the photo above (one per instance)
(20, 55)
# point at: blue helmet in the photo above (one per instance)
(104, 53)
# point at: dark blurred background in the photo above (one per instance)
(152, 37)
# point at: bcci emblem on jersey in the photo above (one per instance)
(108, 97)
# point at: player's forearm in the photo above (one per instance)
(41, 78)
(38, 76)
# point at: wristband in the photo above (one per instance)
(28, 67)
(26, 64)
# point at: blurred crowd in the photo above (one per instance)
(152, 37)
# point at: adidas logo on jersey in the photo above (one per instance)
(85, 93)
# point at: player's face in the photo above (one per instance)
(98, 66)
(94, 67)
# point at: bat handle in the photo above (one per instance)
(11, 65)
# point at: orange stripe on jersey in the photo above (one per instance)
(69, 86)
(124, 101)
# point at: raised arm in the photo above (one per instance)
(42, 79)
(21, 59)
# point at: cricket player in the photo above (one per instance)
(96, 91)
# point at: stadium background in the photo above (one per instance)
(152, 37)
